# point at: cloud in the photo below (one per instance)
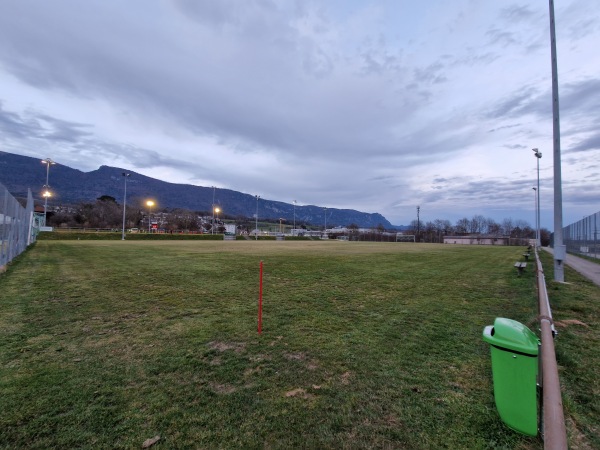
(349, 104)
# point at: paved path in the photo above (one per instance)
(588, 269)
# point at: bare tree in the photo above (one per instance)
(462, 226)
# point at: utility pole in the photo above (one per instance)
(418, 223)
(538, 156)
(560, 252)
(125, 176)
(256, 218)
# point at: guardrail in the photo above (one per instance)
(553, 421)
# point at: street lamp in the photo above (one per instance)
(281, 219)
(212, 229)
(47, 193)
(325, 220)
(418, 223)
(216, 210)
(535, 214)
(538, 156)
(294, 230)
(150, 204)
(256, 218)
(125, 176)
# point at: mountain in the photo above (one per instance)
(71, 186)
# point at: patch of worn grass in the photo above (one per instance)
(107, 344)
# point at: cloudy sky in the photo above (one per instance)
(372, 105)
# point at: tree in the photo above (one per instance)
(544, 237)
(442, 227)
(477, 224)
(493, 228)
(462, 226)
(106, 198)
(507, 227)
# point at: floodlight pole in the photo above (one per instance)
(48, 163)
(256, 218)
(560, 252)
(538, 156)
(125, 176)
(418, 223)
(294, 230)
(212, 228)
(535, 202)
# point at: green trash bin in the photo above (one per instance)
(514, 369)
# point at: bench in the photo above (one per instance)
(526, 256)
(520, 266)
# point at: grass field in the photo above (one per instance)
(365, 345)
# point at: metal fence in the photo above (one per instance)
(582, 236)
(18, 226)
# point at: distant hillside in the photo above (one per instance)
(72, 186)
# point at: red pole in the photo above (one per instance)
(260, 299)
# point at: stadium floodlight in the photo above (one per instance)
(149, 204)
(538, 156)
(125, 176)
(47, 193)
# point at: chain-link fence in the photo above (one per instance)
(18, 228)
(582, 236)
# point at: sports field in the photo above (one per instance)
(105, 344)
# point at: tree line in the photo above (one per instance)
(434, 231)
(105, 213)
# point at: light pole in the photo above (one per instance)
(216, 210)
(47, 193)
(212, 229)
(560, 251)
(256, 218)
(538, 156)
(281, 219)
(537, 230)
(150, 204)
(294, 230)
(325, 229)
(125, 176)
(418, 223)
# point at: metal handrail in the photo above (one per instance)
(553, 423)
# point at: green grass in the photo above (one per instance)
(364, 345)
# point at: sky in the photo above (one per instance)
(379, 106)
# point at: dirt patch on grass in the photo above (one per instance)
(220, 346)
(300, 393)
(346, 378)
(223, 388)
(251, 371)
(567, 322)
(577, 440)
(299, 356)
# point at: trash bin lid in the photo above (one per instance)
(511, 335)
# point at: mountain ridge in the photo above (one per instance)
(71, 186)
